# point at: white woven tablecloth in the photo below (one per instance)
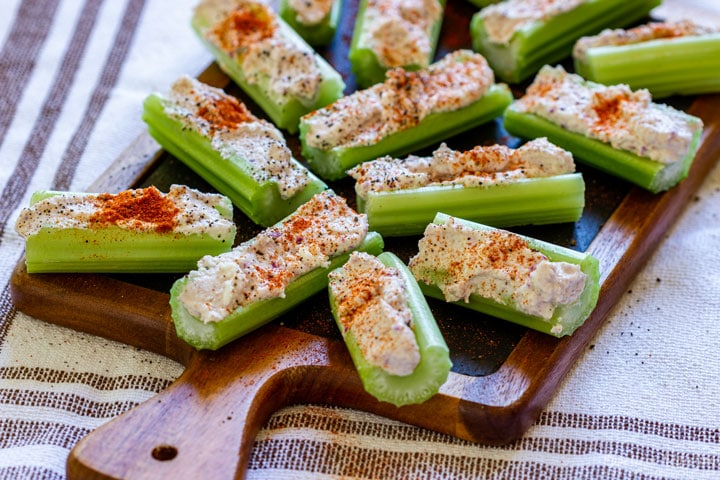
(642, 402)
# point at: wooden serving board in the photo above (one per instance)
(204, 424)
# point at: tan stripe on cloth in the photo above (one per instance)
(46, 121)
(108, 79)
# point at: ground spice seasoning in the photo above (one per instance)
(225, 113)
(146, 207)
(245, 26)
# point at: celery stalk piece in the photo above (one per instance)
(434, 365)
(527, 201)
(232, 294)
(483, 3)
(673, 66)
(549, 40)
(255, 193)
(269, 61)
(409, 111)
(565, 319)
(369, 55)
(212, 336)
(318, 33)
(497, 185)
(72, 239)
(653, 175)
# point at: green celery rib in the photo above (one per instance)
(568, 317)
(320, 34)
(112, 249)
(333, 163)
(483, 3)
(434, 367)
(365, 65)
(683, 65)
(646, 173)
(285, 115)
(550, 41)
(523, 202)
(259, 201)
(243, 320)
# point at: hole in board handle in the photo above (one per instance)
(164, 453)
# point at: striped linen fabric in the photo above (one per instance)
(643, 402)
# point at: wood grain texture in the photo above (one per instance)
(204, 424)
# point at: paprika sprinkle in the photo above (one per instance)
(146, 206)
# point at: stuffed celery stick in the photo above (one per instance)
(542, 286)
(141, 230)
(520, 36)
(666, 58)
(231, 294)
(243, 157)
(314, 20)
(612, 128)
(410, 110)
(267, 59)
(391, 334)
(496, 185)
(390, 34)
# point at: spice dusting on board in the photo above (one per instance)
(147, 206)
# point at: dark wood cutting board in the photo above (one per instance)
(204, 424)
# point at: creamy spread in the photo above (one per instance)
(503, 19)
(497, 265)
(250, 32)
(477, 167)
(625, 119)
(372, 304)
(401, 102)
(182, 210)
(311, 12)
(640, 34)
(399, 32)
(236, 134)
(263, 266)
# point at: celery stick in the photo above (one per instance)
(367, 62)
(666, 66)
(523, 202)
(332, 163)
(243, 320)
(434, 366)
(483, 3)
(255, 193)
(565, 319)
(231, 294)
(62, 245)
(547, 41)
(651, 175)
(268, 87)
(316, 34)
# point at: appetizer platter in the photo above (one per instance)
(501, 374)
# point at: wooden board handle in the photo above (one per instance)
(204, 424)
